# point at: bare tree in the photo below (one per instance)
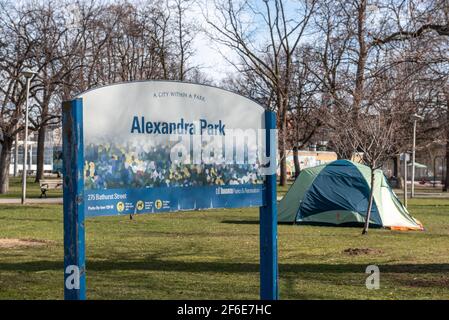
(75, 45)
(304, 118)
(16, 47)
(185, 34)
(49, 24)
(374, 137)
(271, 59)
(425, 28)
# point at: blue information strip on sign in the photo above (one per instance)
(155, 200)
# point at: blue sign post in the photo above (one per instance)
(121, 163)
(268, 224)
(74, 235)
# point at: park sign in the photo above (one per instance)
(170, 146)
(164, 146)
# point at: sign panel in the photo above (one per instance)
(159, 146)
(148, 147)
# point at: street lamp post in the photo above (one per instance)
(28, 75)
(415, 118)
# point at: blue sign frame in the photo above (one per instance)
(74, 209)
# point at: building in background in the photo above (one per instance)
(52, 153)
(307, 159)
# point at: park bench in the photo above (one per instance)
(49, 184)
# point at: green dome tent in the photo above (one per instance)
(337, 193)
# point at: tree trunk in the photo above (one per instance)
(397, 172)
(5, 158)
(396, 165)
(282, 146)
(361, 61)
(446, 177)
(370, 204)
(283, 167)
(296, 161)
(16, 155)
(40, 152)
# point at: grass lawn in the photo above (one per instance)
(215, 254)
(33, 189)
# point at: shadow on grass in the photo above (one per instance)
(31, 219)
(251, 222)
(312, 224)
(151, 264)
(18, 207)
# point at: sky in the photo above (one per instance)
(210, 60)
(209, 55)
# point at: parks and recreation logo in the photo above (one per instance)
(140, 205)
(158, 204)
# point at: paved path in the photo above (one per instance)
(31, 201)
(59, 200)
(425, 194)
